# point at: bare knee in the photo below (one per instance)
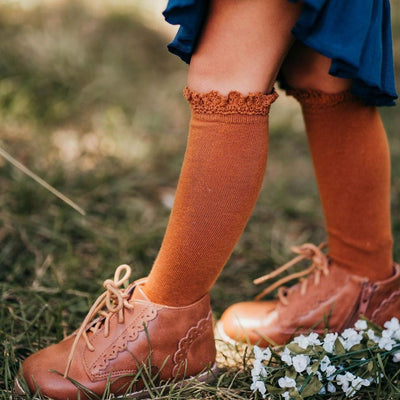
(304, 68)
(239, 49)
(207, 74)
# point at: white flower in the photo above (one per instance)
(300, 362)
(392, 325)
(361, 325)
(331, 387)
(329, 342)
(386, 343)
(349, 332)
(305, 341)
(323, 390)
(334, 377)
(396, 335)
(352, 337)
(301, 340)
(262, 355)
(387, 333)
(285, 356)
(345, 382)
(351, 383)
(330, 370)
(313, 338)
(371, 335)
(392, 328)
(286, 382)
(324, 363)
(358, 382)
(258, 370)
(260, 386)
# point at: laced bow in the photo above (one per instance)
(114, 299)
(306, 251)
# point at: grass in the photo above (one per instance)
(91, 102)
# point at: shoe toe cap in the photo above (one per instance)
(249, 322)
(44, 369)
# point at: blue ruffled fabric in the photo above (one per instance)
(190, 15)
(355, 34)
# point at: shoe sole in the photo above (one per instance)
(222, 335)
(205, 377)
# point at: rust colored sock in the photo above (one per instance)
(352, 164)
(220, 180)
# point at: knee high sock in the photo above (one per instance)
(220, 180)
(352, 164)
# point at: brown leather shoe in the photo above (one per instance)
(132, 333)
(329, 297)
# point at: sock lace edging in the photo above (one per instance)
(233, 103)
(317, 98)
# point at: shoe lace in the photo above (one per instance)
(114, 300)
(306, 251)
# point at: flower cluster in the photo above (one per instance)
(312, 364)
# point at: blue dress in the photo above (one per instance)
(355, 34)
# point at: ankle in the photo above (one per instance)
(375, 273)
(160, 294)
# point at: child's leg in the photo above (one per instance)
(351, 158)
(241, 49)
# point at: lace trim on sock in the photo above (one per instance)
(233, 103)
(317, 98)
